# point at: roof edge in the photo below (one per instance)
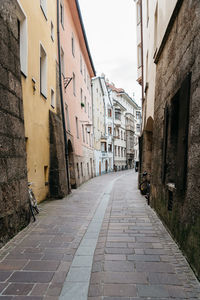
(84, 35)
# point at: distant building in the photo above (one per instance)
(103, 126)
(124, 128)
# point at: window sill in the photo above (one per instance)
(43, 95)
(23, 74)
(43, 12)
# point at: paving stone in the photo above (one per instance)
(115, 257)
(152, 291)
(144, 257)
(117, 266)
(80, 274)
(154, 267)
(120, 290)
(4, 275)
(40, 277)
(160, 278)
(119, 251)
(125, 277)
(18, 289)
(95, 290)
(42, 265)
(39, 289)
(12, 264)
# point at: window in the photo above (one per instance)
(115, 150)
(86, 135)
(139, 53)
(122, 152)
(52, 31)
(103, 146)
(43, 5)
(77, 132)
(81, 169)
(88, 169)
(119, 151)
(85, 104)
(118, 114)
(138, 12)
(124, 135)
(83, 134)
(109, 130)
(77, 165)
(73, 46)
(81, 64)
(155, 29)
(109, 112)
(138, 115)
(43, 72)
(90, 139)
(88, 82)
(81, 92)
(74, 84)
(84, 73)
(109, 147)
(67, 117)
(62, 62)
(175, 138)
(62, 14)
(23, 40)
(138, 127)
(52, 98)
(121, 135)
(147, 12)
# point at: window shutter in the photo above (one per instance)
(182, 145)
(165, 138)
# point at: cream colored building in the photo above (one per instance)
(152, 20)
(38, 55)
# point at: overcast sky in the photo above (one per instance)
(111, 32)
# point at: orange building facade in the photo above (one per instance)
(77, 70)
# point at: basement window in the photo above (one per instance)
(46, 175)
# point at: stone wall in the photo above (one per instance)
(14, 209)
(58, 186)
(180, 210)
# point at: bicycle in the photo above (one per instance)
(145, 187)
(32, 202)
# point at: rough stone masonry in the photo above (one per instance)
(176, 144)
(14, 208)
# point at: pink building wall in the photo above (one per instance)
(72, 65)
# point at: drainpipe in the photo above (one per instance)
(61, 97)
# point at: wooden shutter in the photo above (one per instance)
(182, 145)
(165, 139)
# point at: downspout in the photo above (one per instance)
(94, 167)
(61, 97)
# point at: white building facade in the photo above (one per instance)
(126, 150)
(103, 127)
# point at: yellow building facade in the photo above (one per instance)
(38, 52)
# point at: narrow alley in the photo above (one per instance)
(101, 242)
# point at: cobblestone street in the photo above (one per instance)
(101, 242)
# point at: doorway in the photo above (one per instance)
(71, 166)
